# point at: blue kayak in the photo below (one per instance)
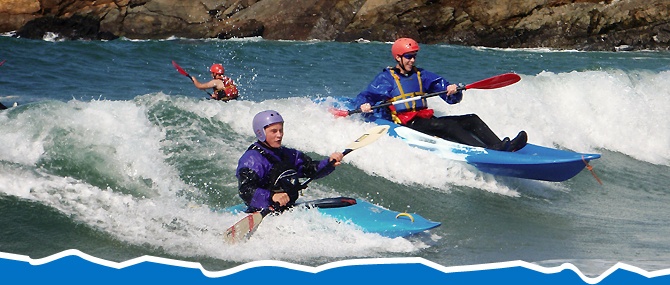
(368, 217)
(531, 162)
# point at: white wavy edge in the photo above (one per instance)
(343, 263)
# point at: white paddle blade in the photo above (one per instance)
(243, 229)
(369, 137)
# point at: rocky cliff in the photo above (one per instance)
(561, 24)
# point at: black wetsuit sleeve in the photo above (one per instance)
(310, 167)
(248, 182)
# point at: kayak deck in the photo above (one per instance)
(375, 219)
(370, 218)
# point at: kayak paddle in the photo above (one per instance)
(181, 70)
(2, 62)
(369, 137)
(243, 229)
(184, 73)
(497, 81)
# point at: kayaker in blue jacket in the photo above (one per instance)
(405, 80)
(268, 173)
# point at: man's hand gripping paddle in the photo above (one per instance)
(243, 229)
(184, 73)
(497, 81)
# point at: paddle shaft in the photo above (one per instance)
(184, 73)
(497, 81)
(401, 101)
(369, 137)
(330, 163)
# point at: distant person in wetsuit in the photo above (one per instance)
(223, 87)
(405, 80)
(268, 172)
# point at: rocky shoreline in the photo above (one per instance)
(589, 25)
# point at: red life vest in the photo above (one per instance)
(229, 91)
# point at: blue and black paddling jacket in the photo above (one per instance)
(261, 171)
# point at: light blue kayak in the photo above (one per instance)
(368, 217)
(531, 162)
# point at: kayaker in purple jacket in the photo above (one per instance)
(268, 173)
(405, 80)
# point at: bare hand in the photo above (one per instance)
(281, 198)
(452, 89)
(337, 157)
(366, 108)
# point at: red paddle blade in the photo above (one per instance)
(497, 81)
(181, 70)
(338, 112)
(2, 62)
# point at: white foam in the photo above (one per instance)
(580, 111)
(128, 146)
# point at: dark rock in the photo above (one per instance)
(76, 27)
(242, 29)
(560, 24)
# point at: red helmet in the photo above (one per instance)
(404, 45)
(217, 68)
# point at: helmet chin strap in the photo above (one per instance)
(403, 70)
